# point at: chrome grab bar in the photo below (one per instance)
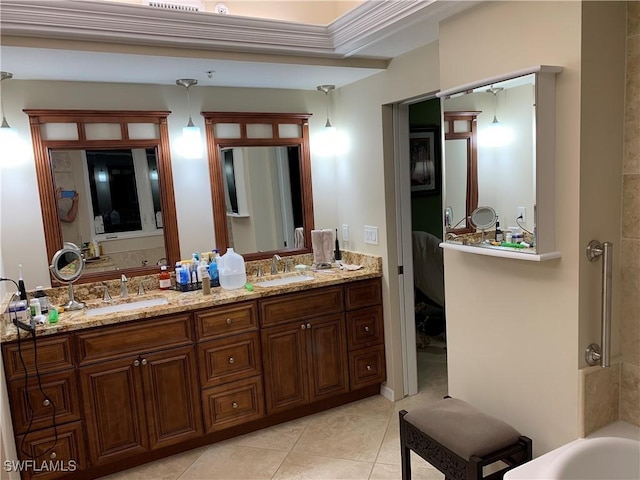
(595, 353)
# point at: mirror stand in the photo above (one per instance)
(66, 266)
(72, 304)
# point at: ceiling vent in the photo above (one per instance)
(178, 6)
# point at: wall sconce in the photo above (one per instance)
(329, 141)
(496, 134)
(190, 144)
(153, 174)
(102, 176)
(13, 151)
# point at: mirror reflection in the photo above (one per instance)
(109, 204)
(263, 199)
(504, 172)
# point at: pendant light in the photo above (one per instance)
(13, 151)
(496, 134)
(190, 144)
(329, 141)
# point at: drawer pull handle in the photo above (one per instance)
(46, 403)
(368, 367)
(234, 404)
(232, 360)
(136, 363)
(53, 456)
(303, 326)
(144, 361)
(229, 320)
(308, 325)
(366, 328)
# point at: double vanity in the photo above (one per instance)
(135, 383)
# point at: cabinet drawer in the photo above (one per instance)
(61, 388)
(66, 457)
(298, 306)
(226, 320)
(229, 359)
(363, 294)
(364, 327)
(233, 404)
(367, 367)
(53, 354)
(114, 342)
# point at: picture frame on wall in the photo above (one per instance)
(424, 154)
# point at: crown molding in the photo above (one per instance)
(97, 21)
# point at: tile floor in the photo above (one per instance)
(359, 440)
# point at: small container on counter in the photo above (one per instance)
(164, 278)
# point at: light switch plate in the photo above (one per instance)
(345, 233)
(371, 235)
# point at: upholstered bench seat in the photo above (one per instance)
(459, 440)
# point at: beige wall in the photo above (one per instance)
(512, 326)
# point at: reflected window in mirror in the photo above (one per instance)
(261, 182)
(105, 184)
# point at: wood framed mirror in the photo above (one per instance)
(260, 171)
(109, 173)
(461, 165)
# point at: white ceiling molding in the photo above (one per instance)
(97, 21)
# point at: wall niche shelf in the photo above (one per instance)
(503, 252)
(521, 145)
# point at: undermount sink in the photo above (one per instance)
(278, 282)
(125, 307)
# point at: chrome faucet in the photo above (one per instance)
(274, 263)
(106, 297)
(124, 293)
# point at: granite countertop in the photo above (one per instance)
(179, 302)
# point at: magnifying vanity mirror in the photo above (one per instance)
(106, 184)
(67, 266)
(499, 151)
(260, 174)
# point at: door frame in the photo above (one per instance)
(404, 239)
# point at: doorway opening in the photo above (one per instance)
(418, 157)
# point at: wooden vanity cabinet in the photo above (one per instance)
(304, 348)
(365, 333)
(230, 365)
(40, 440)
(143, 396)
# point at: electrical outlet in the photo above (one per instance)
(522, 214)
(345, 233)
(371, 235)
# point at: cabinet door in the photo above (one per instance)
(114, 410)
(285, 374)
(172, 396)
(327, 356)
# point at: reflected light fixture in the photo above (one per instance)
(496, 134)
(329, 141)
(190, 144)
(102, 176)
(153, 174)
(13, 151)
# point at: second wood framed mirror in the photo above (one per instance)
(260, 170)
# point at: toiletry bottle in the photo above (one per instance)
(213, 274)
(34, 306)
(498, 231)
(43, 299)
(165, 278)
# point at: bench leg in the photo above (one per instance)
(405, 452)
